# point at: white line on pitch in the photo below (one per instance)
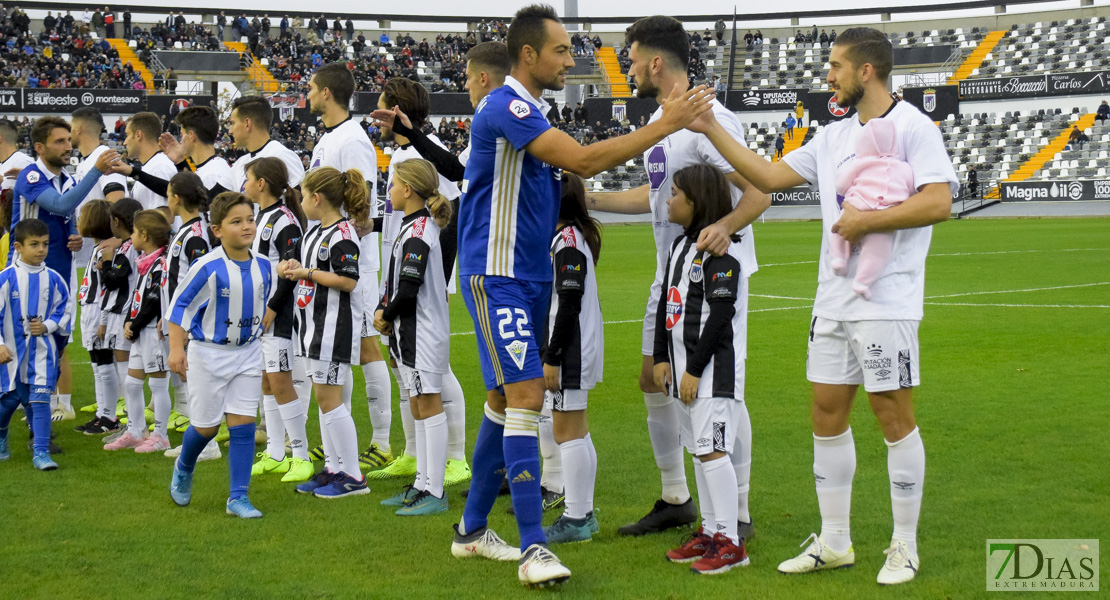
(780, 297)
(1041, 289)
(1017, 252)
(1020, 305)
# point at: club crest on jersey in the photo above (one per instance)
(516, 351)
(32, 177)
(305, 291)
(267, 231)
(674, 307)
(176, 250)
(695, 271)
(323, 253)
(225, 292)
(520, 109)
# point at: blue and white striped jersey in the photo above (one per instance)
(33, 292)
(510, 203)
(222, 301)
(32, 181)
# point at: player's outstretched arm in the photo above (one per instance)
(556, 148)
(931, 205)
(768, 177)
(627, 202)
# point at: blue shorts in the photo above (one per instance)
(507, 315)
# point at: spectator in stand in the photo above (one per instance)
(779, 145)
(266, 26)
(1073, 139)
(1103, 112)
(284, 25)
(337, 28)
(720, 27)
(350, 26)
(86, 17)
(832, 37)
(383, 39)
(758, 40)
(972, 182)
(800, 113)
(98, 22)
(171, 81)
(49, 21)
(109, 23)
(824, 39)
(749, 38)
(322, 27)
(127, 24)
(790, 123)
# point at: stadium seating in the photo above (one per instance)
(1049, 47)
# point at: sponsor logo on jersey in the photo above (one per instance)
(32, 176)
(874, 350)
(656, 166)
(84, 289)
(674, 307)
(412, 256)
(517, 350)
(225, 292)
(835, 109)
(568, 268)
(418, 227)
(520, 109)
(569, 238)
(136, 300)
(695, 271)
(305, 291)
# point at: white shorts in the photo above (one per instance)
(565, 400)
(327, 373)
(708, 425)
(113, 338)
(71, 308)
(881, 355)
(90, 321)
(370, 299)
(149, 354)
(419, 382)
(223, 380)
(647, 347)
(278, 354)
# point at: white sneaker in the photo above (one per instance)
(62, 413)
(818, 557)
(210, 452)
(486, 544)
(901, 564)
(540, 567)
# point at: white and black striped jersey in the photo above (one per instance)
(415, 297)
(147, 303)
(279, 238)
(701, 320)
(236, 179)
(574, 339)
(187, 245)
(213, 171)
(90, 293)
(119, 278)
(328, 320)
(161, 167)
(222, 301)
(347, 146)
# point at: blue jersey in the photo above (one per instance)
(32, 181)
(222, 301)
(27, 293)
(510, 202)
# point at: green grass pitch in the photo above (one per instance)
(1013, 405)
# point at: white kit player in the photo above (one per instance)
(13, 160)
(411, 98)
(87, 127)
(660, 52)
(200, 126)
(853, 341)
(141, 142)
(249, 127)
(345, 145)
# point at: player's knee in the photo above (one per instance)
(711, 456)
(647, 383)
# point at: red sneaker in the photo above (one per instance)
(721, 556)
(692, 548)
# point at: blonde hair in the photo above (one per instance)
(421, 176)
(342, 190)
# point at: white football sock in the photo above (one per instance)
(379, 401)
(581, 472)
(593, 468)
(180, 395)
(705, 500)
(275, 428)
(331, 459)
(720, 480)
(421, 456)
(905, 462)
(293, 417)
(160, 398)
(348, 386)
(741, 458)
(135, 404)
(662, 423)
(345, 439)
(454, 405)
(107, 386)
(121, 378)
(65, 401)
(407, 422)
(436, 432)
(53, 402)
(551, 472)
(834, 466)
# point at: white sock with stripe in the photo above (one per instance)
(454, 405)
(834, 466)
(436, 432)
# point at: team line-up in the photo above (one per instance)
(244, 285)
